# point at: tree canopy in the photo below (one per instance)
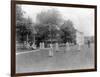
(47, 27)
(51, 16)
(69, 32)
(23, 25)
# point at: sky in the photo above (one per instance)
(82, 18)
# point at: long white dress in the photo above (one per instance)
(67, 46)
(51, 51)
(57, 47)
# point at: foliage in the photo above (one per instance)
(47, 22)
(45, 29)
(23, 25)
(68, 31)
(51, 16)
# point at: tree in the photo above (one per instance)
(48, 20)
(68, 31)
(19, 13)
(23, 26)
(42, 32)
(19, 24)
(51, 16)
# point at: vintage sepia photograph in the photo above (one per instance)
(54, 38)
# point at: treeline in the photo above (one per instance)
(49, 27)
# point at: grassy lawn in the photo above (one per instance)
(62, 60)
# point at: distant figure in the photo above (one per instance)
(51, 51)
(67, 46)
(57, 47)
(33, 46)
(88, 42)
(42, 45)
(27, 45)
